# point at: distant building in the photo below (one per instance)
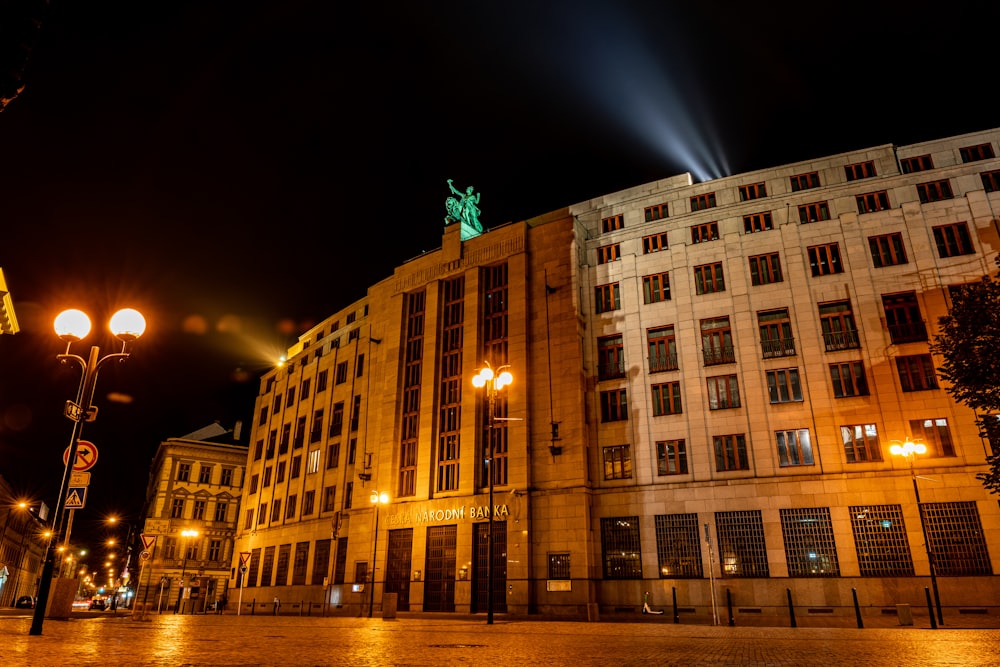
(707, 381)
(8, 320)
(194, 487)
(22, 545)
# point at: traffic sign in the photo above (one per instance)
(244, 557)
(147, 541)
(79, 479)
(144, 555)
(86, 456)
(76, 497)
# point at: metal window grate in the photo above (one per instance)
(742, 552)
(810, 550)
(620, 547)
(955, 537)
(678, 546)
(880, 540)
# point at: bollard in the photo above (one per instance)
(729, 606)
(930, 608)
(857, 608)
(253, 606)
(673, 593)
(791, 608)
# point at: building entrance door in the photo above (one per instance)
(439, 582)
(397, 570)
(480, 578)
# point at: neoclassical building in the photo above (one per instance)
(708, 379)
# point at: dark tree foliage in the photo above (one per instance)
(969, 341)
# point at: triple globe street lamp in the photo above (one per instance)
(72, 326)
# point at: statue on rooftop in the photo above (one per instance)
(463, 208)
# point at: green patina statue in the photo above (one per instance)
(463, 208)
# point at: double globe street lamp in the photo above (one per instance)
(72, 326)
(492, 382)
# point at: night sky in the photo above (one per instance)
(239, 171)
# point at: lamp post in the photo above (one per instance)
(377, 499)
(187, 532)
(492, 382)
(71, 326)
(908, 450)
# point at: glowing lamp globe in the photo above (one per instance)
(128, 324)
(72, 325)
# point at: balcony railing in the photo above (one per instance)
(841, 340)
(611, 370)
(663, 362)
(719, 355)
(908, 332)
(777, 347)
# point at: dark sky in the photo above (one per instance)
(239, 170)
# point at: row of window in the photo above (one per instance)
(954, 533)
(206, 472)
(341, 376)
(951, 240)
(927, 192)
(303, 428)
(199, 509)
(293, 510)
(211, 549)
(794, 447)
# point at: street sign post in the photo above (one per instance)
(244, 557)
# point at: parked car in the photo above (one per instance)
(25, 602)
(98, 603)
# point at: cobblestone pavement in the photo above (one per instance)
(265, 640)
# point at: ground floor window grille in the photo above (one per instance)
(955, 537)
(678, 546)
(880, 540)
(620, 547)
(810, 550)
(742, 552)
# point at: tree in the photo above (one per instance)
(969, 341)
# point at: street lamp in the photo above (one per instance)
(908, 450)
(71, 326)
(189, 533)
(492, 382)
(377, 499)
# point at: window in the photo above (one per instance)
(607, 298)
(839, 330)
(329, 498)
(610, 357)
(667, 399)
(974, 153)
(608, 253)
(321, 562)
(290, 506)
(351, 317)
(226, 478)
(880, 540)
(221, 511)
(321, 381)
(662, 346)
(804, 181)
(316, 432)
(753, 191)
(656, 288)
(204, 474)
(258, 450)
(177, 508)
(614, 405)
(717, 341)
(279, 473)
(272, 442)
(308, 502)
(341, 376)
(262, 514)
(678, 546)
(991, 180)
(757, 222)
(621, 550)
(794, 448)
(708, 278)
(723, 392)
(286, 435)
(849, 379)
(657, 212)
(356, 413)
(708, 231)
(296, 467)
(872, 201)
(902, 317)
(254, 479)
(618, 462)
(730, 452)
(360, 363)
(263, 416)
(742, 550)
(276, 511)
(701, 202)
(775, 329)
(783, 385)
(313, 463)
(955, 538)
(332, 455)
(277, 403)
(814, 212)
(765, 269)
(911, 165)
(916, 372)
(248, 520)
(183, 472)
(300, 432)
(654, 243)
(860, 170)
(306, 384)
(337, 419)
(671, 457)
(558, 566)
(810, 550)
(934, 434)
(953, 240)
(861, 443)
(266, 482)
(291, 395)
(613, 223)
(887, 250)
(934, 191)
(825, 259)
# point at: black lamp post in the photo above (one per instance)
(492, 382)
(71, 326)
(377, 499)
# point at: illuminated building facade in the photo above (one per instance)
(708, 378)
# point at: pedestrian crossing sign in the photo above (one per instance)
(76, 497)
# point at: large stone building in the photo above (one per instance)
(708, 378)
(192, 502)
